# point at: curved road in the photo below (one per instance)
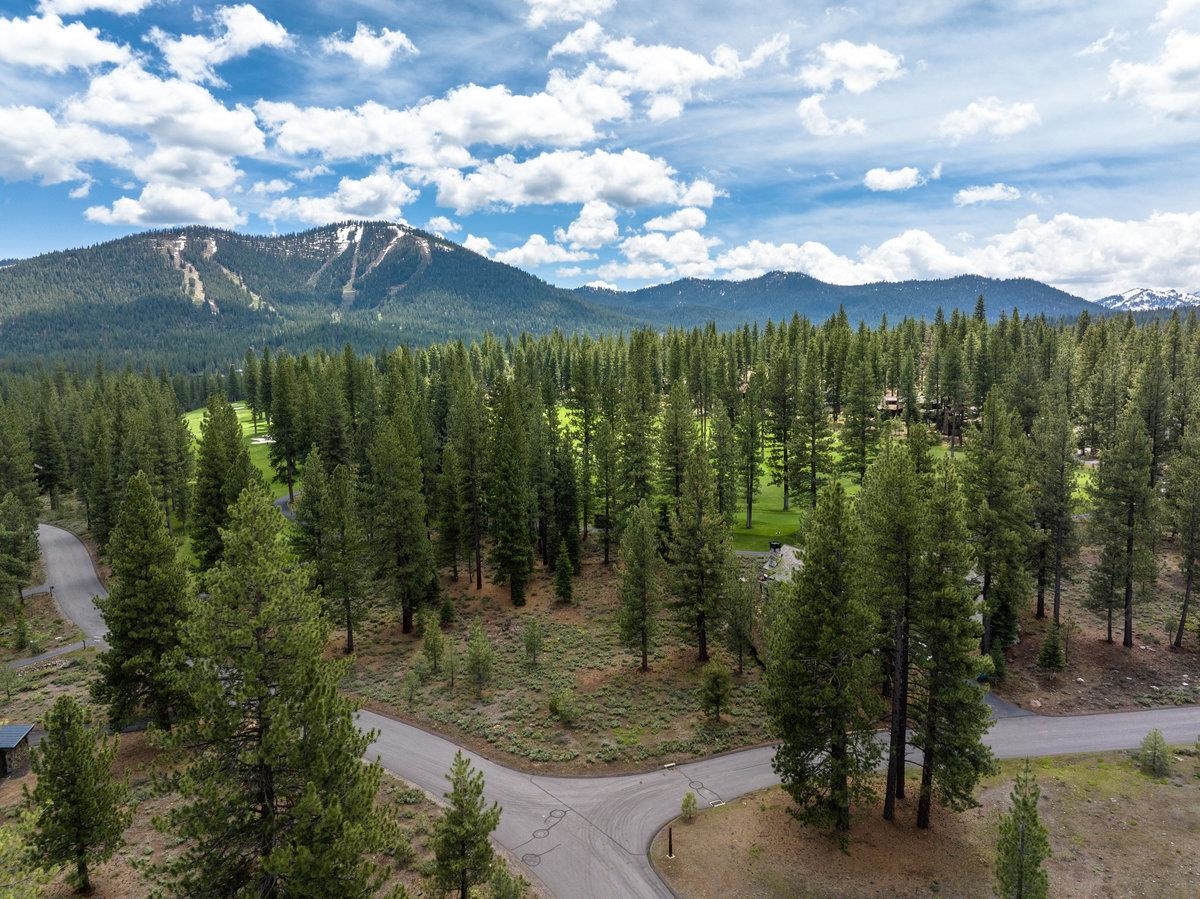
(588, 836)
(72, 582)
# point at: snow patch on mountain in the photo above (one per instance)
(1149, 299)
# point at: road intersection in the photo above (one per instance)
(583, 837)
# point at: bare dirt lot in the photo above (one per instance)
(1101, 676)
(624, 719)
(1114, 832)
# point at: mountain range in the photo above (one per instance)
(1147, 299)
(199, 296)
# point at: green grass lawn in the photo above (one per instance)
(771, 522)
(259, 452)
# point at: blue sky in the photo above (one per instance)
(622, 141)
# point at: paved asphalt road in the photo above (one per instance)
(72, 580)
(585, 837)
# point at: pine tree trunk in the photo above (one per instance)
(82, 875)
(1187, 598)
(702, 632)
(985, 645)
(1041, 584)
(1058, 572)
(1127, 641)
(895, 770)
(607, 525)
(925, 801)
(406, 616)
(839, 795)
(349, 627)
(786, 485)
(478, 556)
(902, 671)
(645, 650)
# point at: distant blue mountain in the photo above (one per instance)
(779, 295)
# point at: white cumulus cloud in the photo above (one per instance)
(172, 111)
(595, 227)
(857, 67)
(162, 204)
(33, 144)
(1176, 10)
(657, 256)
(237, 30)
(47, 43)
(78, 7)
(687, 219)
(371, 50)
(990, 193)
(480, 245)
(440, 224)
(892, 179)
(1171, 84)
(819, 124)
(668, 76)
(542, 11)
(274, 186)
(629, 179)
(380, 195)
(1091, 257)
(539, 251)
(186, 167)
(990, 115)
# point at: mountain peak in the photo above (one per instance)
(1150, 299)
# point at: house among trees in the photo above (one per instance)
(891, 406)
(14, 748)
(778, 567)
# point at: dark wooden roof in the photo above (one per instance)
(12, 734)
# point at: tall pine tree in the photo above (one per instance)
(812, 455)
(949, 714)
(147, 604)
(509, 500)
(275, 797)
(1024, 844)
(894, 541)
(702, 553)
(820, 693)
(641, 583)
(1183, 499)
(78, 803)
(223, 471)
(397, 507)
(1122, 522)
(998, 517)
(462, 835)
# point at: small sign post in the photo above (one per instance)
(670, 843)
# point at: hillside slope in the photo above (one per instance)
(198, 295)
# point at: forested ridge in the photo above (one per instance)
(932, 468)
(197, 297)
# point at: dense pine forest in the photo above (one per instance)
(941, 479)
